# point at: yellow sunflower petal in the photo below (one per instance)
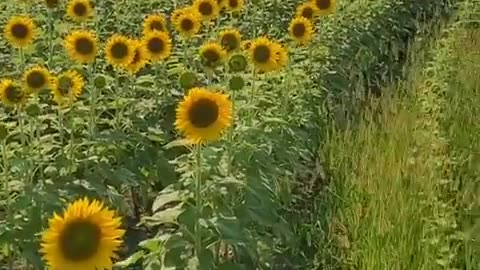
(11, 93)
(36, 79)
(208, 9)
(325, 7)
(230, 39)
(80, 10)
(301, 30)
(81, 46)
(119, 50)
(19, 31)
(67, 87)
(157, 46)
(154, 22)
(212, 54)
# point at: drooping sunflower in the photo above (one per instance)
(154, 22)
(262, 54)
(301, 30)
(67, 87)
(79, 10)
(81, 46)
(86, 236)
(119, 50)
(20, 31)
(307, 10)
(36, 79)
(208, 9)
(51, 3)
(140, 59)
(203, 115)
(325, 7)
(157, 45)
(230, 39)
(188, 24)
(11, 93)
(234, 5)
(212, 54)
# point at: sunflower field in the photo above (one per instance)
(180, 134)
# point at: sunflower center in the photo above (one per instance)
(299, 30)
(156, 26)
(233, 3)
(261, 54)
(307, 12)
(119, 50)
(323, 4)
(203, 113)
(80, 240)
(84, 46)
(205, 9)
(13, 93)
(211, 56)
(65, 85)
(186, 24)
(230, 42)
(20, 30)
(80, 9)
(36, 79)
(156, 45)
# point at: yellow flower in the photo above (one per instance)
(19, 31)
(325, 7)
(37, 79)
(81, 46)
(221, 3)
(67, 87)
(281, 55)
(119, 51)
(301, 30)
(188, 24)
(157, 45)
(87, 236)
(203, 115)
(246, 44)
(176, 13)
(11, 93)
(262, 54)
(154, 22)
(208, 9)
(307, 10)
(234, 5)
(212, 54)
(231, 39)
(140, 59)
(80, 10)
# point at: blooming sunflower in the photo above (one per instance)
(154, 22)
(325, 7)
(11, 93)
(81, 46)
(157, 45)
(231, 39)
(203, 115)
(19, 31)
(281, 55)
(86, 236)
(79, 10)
(301, 30)
(67, 87)
(234, 5)
(179, 11)
(212, 54)
(262, 54)
(51, 3)
(36, 79)
(140, 59)
(188, 24)
(119, 50)
(208, 9)
(307, 10)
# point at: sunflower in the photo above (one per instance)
(176, 13)
(325, 7)
(188, 24)
(262, 54)
(86, 236)
(51, 3)
(231, 39)
(81, 46)
(119, 50)
(307, 10)
(37, 79)
(221, 3)
(67, 87)
(80, 10)
(212, 54)
(20, 31)
(154, 22)
(208, 9)
(281, 55)
(140, 59)
(203, 115)
(234, 5)
(11, 93)
(301, 30)
(157, 45)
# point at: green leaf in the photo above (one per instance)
(166, 216)
(166, 198)
(131, 260)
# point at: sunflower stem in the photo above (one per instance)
(198, 199)
(117, 102)
(22, 58)
(6, 187)
(21, 125)
(50, 38)
(93, 102)
(252, 97)
(60, 125)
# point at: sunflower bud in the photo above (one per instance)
(236, 83)
(188, 80)
(238, 63)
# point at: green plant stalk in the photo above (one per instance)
(51, 27)
(118, 112)
(252, 97)
(22, 59)
(60, 124)
(93, 102)
(8, 202)
(198, 199)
